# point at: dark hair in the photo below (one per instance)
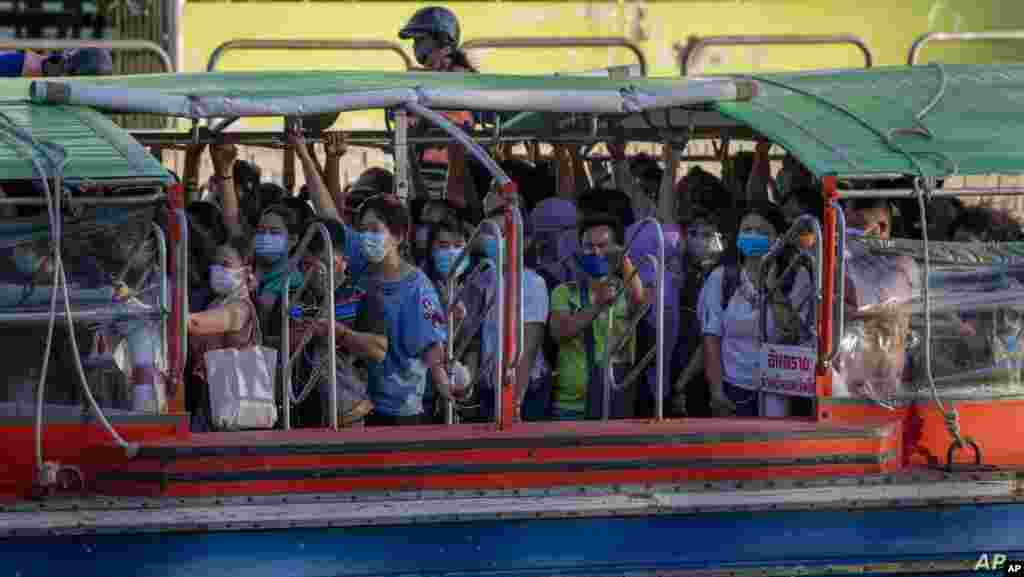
(291, 220)
(607, 201)
(989, 223)
(208, 216)
(303, 211)
(376, 179)
(459, 58)
(707, 189)
(247, 176)
(810, 199)
(335, 230)
(264, 195)
(450, 224)
(391, 211)
(769, 212)
(594, 220)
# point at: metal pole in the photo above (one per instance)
(112, 45)
(554, 42)
(165, 309)
(689, 53)
(401, 150)
(307, 44)
(919, 44)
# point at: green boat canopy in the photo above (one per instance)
(935, 120)
(97, 149)
(927, 120)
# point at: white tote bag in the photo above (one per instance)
(241, 385)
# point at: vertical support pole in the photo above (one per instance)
(286, 351)
(825, 313)
(402, 155)
(177, 333)
(513, 295)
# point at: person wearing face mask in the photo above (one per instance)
(704, 248)
(228, 322)
(432, 213)
(446, 242)
(310, 332)
(729, 308)
(275, 236)
(441, 172)
(580, 323)
(555, 240)
(415, 321)
(533, 386)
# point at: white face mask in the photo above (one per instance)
(223, 280)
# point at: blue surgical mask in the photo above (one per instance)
(489, 244)
(753, 244)
(594, 265)
(444, 258)
(271, 246)
(374, 246)
(27, 263)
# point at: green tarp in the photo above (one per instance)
(97, 148)
(966, 119)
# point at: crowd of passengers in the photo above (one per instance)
(588, 280)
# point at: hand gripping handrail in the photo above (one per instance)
(921, 41)
(555, 42)
(791, 235)
(689, 53)
(285, 356)
(306, 44)
(659, 323)
(451, 281)
(122, 45)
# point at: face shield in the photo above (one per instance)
(704, 245)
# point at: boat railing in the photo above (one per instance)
(498, 306)
(656, 352)
(542, 42)
(689, 54)
(993, 35)
(306, 44)
(287, 394)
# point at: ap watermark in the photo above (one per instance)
(999, 562)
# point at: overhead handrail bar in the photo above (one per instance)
(689, 53)
(307, 44)
(610, 351)
(451, 282)
(285, 356)
(924, 39)
(555, 42)
(134, 200)
(112, 45)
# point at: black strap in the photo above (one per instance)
(593, 403)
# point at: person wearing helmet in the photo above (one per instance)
(435, 33)
(441, 172)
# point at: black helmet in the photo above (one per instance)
(434, 20)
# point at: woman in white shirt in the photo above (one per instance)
(730, 323)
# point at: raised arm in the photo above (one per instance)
(317, 191)
(225, 187)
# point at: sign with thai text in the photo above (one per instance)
(788, 370)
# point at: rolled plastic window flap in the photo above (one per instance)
(976, 315)
(596, 101)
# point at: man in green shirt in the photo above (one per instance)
(589, 317)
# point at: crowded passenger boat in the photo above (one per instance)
(526, 321)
